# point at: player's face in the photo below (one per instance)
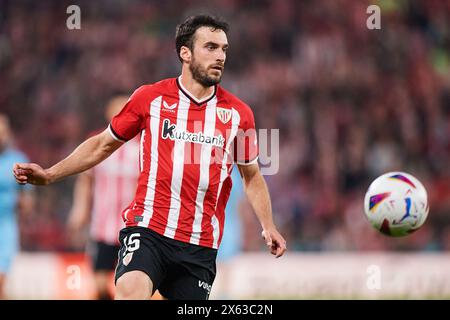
(208, 56)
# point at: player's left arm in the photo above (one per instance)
(259, 198)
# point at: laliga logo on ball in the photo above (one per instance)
(396, 204)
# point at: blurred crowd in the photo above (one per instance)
(350, 103)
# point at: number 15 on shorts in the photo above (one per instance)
(131, 243)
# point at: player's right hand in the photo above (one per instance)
(30, 173)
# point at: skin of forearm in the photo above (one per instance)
(85, 156)
(259, 198)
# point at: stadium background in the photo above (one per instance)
(350, 103)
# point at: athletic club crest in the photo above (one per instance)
(224, 114)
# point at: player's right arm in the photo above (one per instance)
(123, 127)
(85, 156)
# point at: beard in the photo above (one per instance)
(200, 74)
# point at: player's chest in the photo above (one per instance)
(212, 123)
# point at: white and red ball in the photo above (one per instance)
(396, 204)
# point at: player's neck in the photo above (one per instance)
(198, 91)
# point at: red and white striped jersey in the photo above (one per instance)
(114, 187)
(187, 151)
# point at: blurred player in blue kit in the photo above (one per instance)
(14, 198)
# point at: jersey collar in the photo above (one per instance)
(191, 96)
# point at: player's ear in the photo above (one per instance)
(185, 54)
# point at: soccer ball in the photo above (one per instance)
(396, 204)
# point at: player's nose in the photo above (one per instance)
(220, 56)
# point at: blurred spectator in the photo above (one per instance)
(14, 200)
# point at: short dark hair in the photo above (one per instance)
(185, 31)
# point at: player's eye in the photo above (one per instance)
(211, 46)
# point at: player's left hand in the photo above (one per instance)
(274, 241)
